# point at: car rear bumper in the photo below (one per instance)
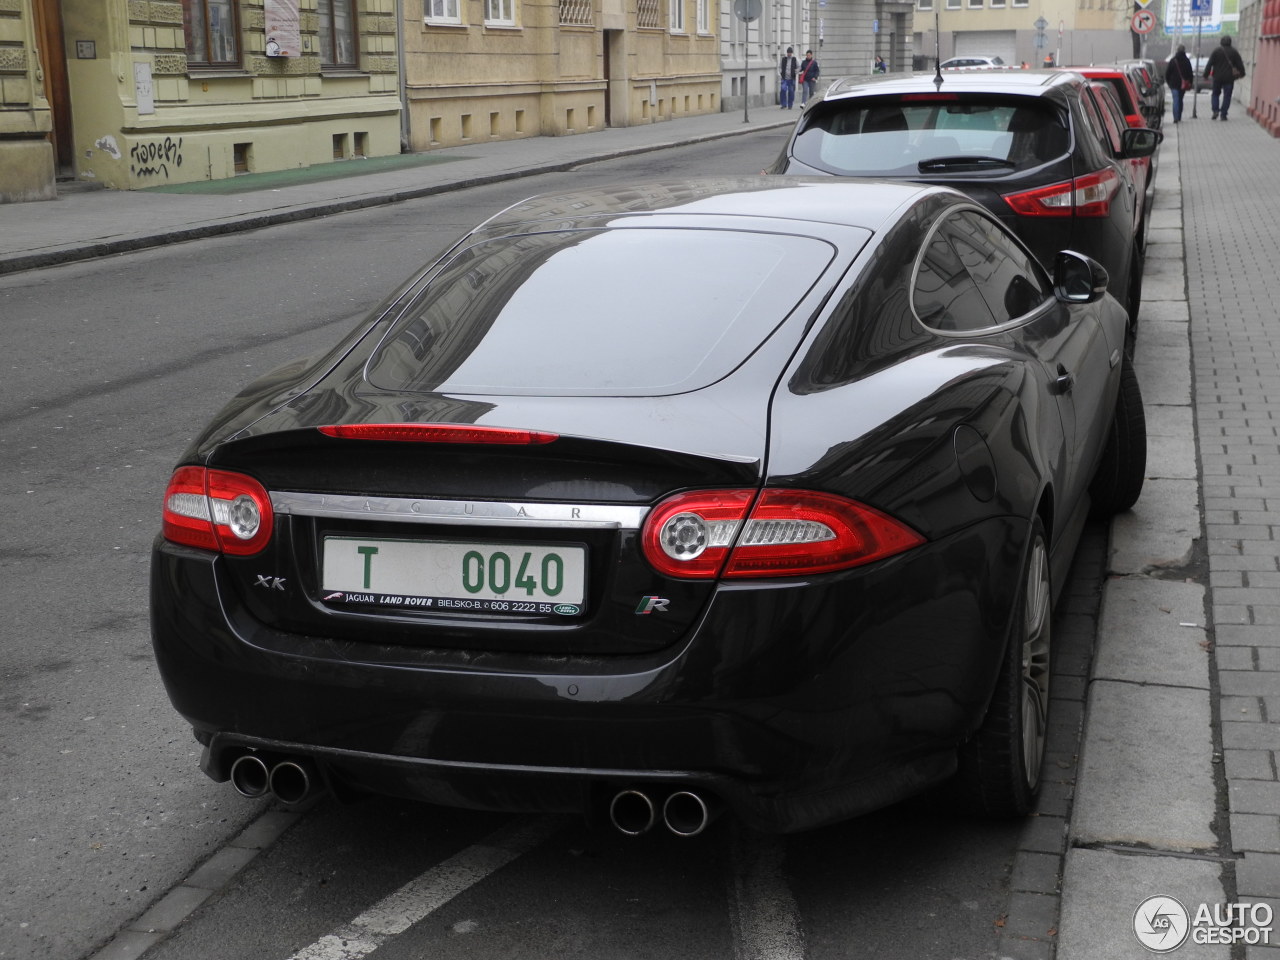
(794, 702)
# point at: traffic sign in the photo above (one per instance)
(1144, 3)
(1144, 21)
(1201, 8)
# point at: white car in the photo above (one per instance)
(973, 63)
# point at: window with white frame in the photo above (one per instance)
(924, 5)
(1022, 3)
(677, 16)
(953, 4)
(704, 16)
(443, 11)
(975, 4)
(502, 12)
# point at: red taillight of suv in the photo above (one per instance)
(1087, 196)
(217, 510)
(706, 533)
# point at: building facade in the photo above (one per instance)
(479, 70)
(138, 93)
(845, 35)
(1068, 32)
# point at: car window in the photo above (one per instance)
(1096, 126)
(944, 295)
(891, 137)
(629, 312)
(1123, 92)
(1009, 279)
(972, 276)
(1110, 113)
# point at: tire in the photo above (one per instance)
(999, 772)
(1117, 483)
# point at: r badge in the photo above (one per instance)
(650, 604)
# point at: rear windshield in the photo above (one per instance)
(622, 312)
(920, 135)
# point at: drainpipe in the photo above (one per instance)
(400, 78)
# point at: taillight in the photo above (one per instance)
(786, 533)
(1134, 120)
(217, 510)
(1087, 196)
(436, 433)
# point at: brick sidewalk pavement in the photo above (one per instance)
(1231, 220)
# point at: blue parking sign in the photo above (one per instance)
(1201, 8)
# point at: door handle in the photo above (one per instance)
(1064, 381)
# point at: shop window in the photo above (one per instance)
(337, 33)
(213, 33)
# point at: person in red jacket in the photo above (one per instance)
(809, 71)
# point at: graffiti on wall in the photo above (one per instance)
(153, 159)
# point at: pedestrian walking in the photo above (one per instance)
(1181, 77)
(788, 70)
(809, 71)
(1224, 68)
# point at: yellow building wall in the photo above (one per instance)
(471, 82)
(26, 155)
(272, 113)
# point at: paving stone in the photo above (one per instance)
(1141, 634)
(1249, 765)
(1256, 832)
(1241, 708)
(171, 909)
(1044, 834)
(1258, 874)
(1035, 872)
(1254, 796)
(1102, 889)
(1145, 771)
(214, 873)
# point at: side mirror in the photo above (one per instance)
(1139, 142)
(1078, 279)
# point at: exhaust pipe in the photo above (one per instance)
(686, 814)
(632, 812)
(250, 776)
(293, 781)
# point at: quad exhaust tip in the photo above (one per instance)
(686, 813)
(291, 780)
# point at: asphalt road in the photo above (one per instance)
(110, 368)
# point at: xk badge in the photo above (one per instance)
(270, 583)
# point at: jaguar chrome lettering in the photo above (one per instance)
(424, 510)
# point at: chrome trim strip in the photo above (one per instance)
(493, 513)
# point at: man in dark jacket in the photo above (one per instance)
(787, 71)
(1224, 68)
(1181, 77)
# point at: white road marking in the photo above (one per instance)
(418, 898)
(764, 915)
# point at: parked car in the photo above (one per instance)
(749, 492)
(972, 63)
(1012, 140)
(1149, 84)
(1122, 85)
(1109, 124)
